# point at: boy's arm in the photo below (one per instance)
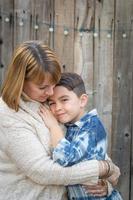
(65, 153)
(87, 144)
(101, 140)
(68, 153)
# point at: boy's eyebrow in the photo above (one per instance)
(63, 96)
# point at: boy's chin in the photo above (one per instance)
(63, 121)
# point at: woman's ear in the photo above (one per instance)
(84, 100)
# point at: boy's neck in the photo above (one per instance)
(81, 115)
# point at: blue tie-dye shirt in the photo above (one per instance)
(84, 140)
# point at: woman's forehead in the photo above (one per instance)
(45, 79)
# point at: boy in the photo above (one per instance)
(85, 137)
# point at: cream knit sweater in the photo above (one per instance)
(27, 171)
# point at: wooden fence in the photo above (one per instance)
(95, 39)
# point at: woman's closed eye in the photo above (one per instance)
(43, 88)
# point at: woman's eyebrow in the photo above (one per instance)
(42, 85)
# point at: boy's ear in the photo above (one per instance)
(84, 100)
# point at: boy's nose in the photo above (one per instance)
(58, 107)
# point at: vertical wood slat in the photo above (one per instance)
(103, 62)
(46, 14)
(83, 45)
(131, 125)
(21, 21)
(121, 145)
(131, 106)
(63, 44)
(33, 14)
(1, 42)
(6, 34)
(43, 16)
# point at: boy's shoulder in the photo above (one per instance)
(93, 112)
(87, 118)
(89, 115)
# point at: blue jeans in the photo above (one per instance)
(115, 195)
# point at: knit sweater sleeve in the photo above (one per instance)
(31, 157)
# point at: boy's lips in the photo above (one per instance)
(62, 117)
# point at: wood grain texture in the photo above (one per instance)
(83, 45)
(64, 44)
(122, 95)
(103, 62)
(7, 35)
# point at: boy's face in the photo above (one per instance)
(66, 105)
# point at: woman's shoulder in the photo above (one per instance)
(8, 116)
(4, 107)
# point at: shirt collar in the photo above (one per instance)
(86, 117)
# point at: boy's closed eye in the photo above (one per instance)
(65, 99)
(50, 103)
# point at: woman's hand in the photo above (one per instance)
(48, 118)
(113, 179)
(52, 124)
(99, 190)
(108, 170)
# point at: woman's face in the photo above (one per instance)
(37, 92)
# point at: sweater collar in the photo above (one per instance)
(31, 107)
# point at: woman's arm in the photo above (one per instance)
(29, 155)
(60, 154)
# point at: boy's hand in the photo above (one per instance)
(98, 190)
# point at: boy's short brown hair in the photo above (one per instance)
(72, 82)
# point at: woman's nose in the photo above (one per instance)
(50, 91)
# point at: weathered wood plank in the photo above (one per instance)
(43, 16)
(131, 123)
(6, 24)
(121, 134)
(103, 62)
(1, 42)
(21, 21)
(83, 45)
(131, 104)
(63, 44)
(131, 169)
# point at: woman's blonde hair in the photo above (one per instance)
(32, 61)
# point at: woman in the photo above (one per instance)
(27, 171)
